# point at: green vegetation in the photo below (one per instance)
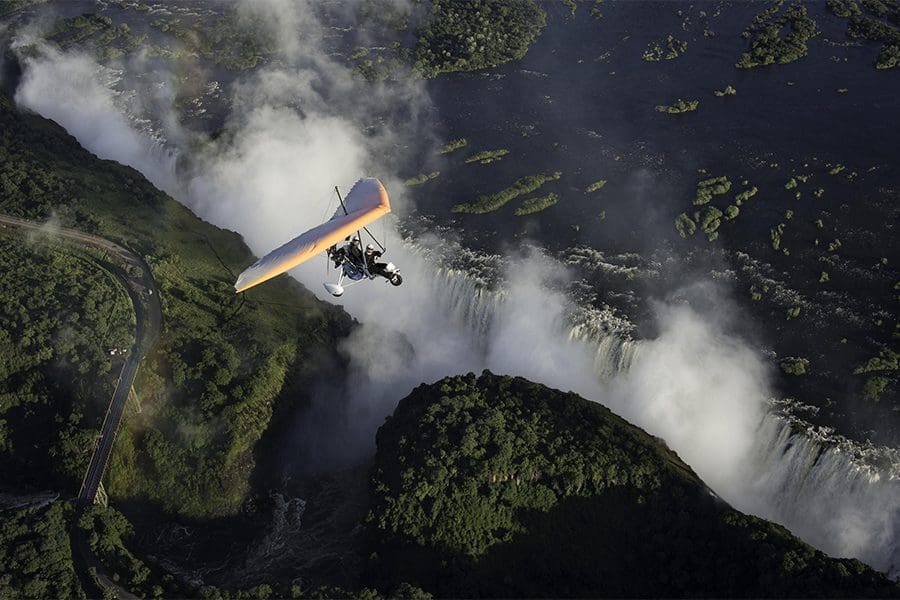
(210, 385)
(595, 186)
(887, 360)
(709, 219)
(889, 57)
(9, 8)
(237, 40)
(65, 325)
(107, 532)
(728, 91)
(767, 46)
(358, 53)
(453, 145)
(775, 234)
(385, 13)
(422, 178)
(674, 49)
(487, 156)
(533, 205)
(466, 35)
(98, 32)
(874, 20)
(685, 225)
(874, 387)
(742, 197)
(473, 474)
(708, 188)
(492, 202)
(795, 366)
(384, 66)
(679, 107)
(36, 553)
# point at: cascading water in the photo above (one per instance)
(614, 352)
(840, 496)
(467, 302)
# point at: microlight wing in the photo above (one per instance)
(367, 202)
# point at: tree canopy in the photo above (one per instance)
(474, 474)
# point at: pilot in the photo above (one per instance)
(354, 251)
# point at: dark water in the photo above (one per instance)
(582, 102)
(555, 112)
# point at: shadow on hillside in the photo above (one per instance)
(680, 544)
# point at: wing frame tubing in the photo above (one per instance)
(358, 234)
(366, 229)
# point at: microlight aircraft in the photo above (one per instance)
(366, 203)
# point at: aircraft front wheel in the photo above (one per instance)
(396, 279)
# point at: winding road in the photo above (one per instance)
(135, 275)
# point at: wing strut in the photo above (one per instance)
(362, 255)
(341, 200)
(366, 229)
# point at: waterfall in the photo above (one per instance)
(614, 353)
(466, 302)
(840, 496)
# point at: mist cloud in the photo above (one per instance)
(703, 391)
(67, 88)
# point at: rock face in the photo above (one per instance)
(496, 486)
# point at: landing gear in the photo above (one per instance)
(396, 279)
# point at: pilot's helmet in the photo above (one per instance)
(370, 248)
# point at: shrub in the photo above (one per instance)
(679, 107)
(453, 145)
(492, 202)
(794, 366)
(685, 225)
(708, 188)
(533, 205)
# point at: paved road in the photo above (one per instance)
(148, 316)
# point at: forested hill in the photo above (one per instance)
(207, 390)
(496, 486)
